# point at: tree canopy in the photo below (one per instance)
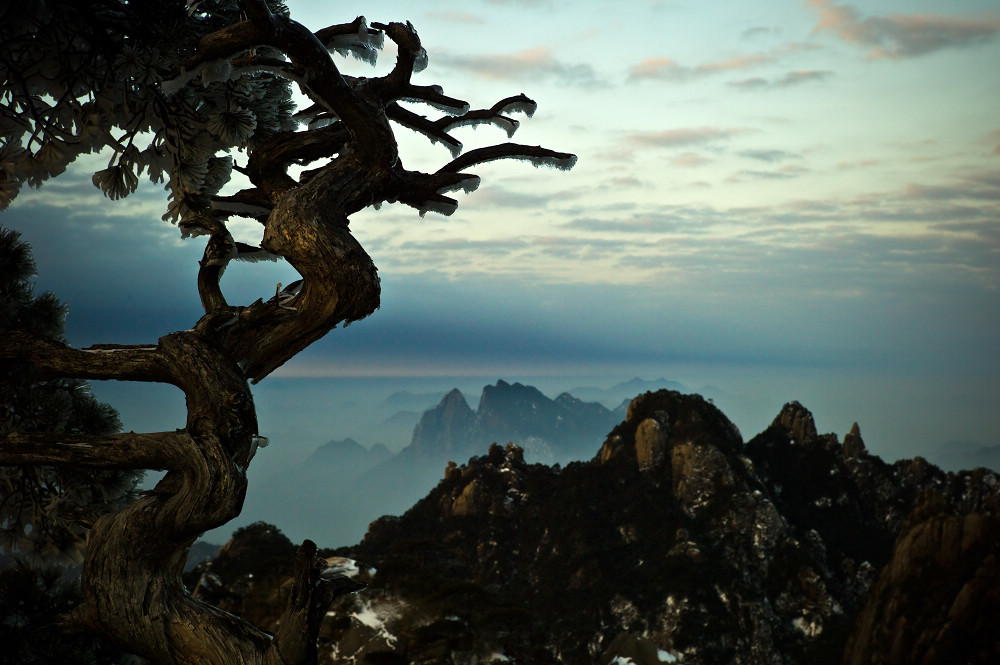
(188, 93)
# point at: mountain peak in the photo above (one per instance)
(548, 430)
(454, 398)
(444, 426)
(798, 420)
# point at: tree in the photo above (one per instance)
(183, 85)
(43, 508)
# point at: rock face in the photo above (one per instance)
(248, 576)
(548, 430)
(937, 600)
(678, 542)
(446, 428)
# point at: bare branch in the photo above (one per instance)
(116, 451)
(123, 363)
(308, 600)
(268, 164)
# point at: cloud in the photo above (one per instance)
(904, 35)
(802, 76)
(466, 246)
(656, 68)
(534, 62)
(625, 182)
(685, 136)
(859, 164)
(454, 16)
(768, 155)
(784, 173)
(982, 187)
(529, 4)
(497, 195)
(690, 159)
(755, 83)
(758, 31)
(664, 220)
(788, 80)
(666, 69)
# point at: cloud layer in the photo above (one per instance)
(904, 35)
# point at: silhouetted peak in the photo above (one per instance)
(658, 421)
(445, 426)
(454, 399)
(341, 444)
(565, 399)
(343, 451)
(798, 420)
(504, 396)
(854, 445)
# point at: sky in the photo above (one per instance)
(785, 199)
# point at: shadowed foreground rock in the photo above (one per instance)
(679, 542)
(937, 600)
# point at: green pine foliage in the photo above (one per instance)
(44, 510)
(82, 76)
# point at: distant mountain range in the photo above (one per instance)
(676, 542)
(343, 485)
(548, 430)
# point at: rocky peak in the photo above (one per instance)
(454, 402)
(658, 422)
(854, 445)
(344, 451)
(936, 601)
(680, 543)
(798, 420)
(513, 407)
(446, 427)
(548, 430)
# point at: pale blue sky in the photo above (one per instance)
(802, 186)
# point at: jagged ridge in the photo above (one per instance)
(677, 542)
(548, 430)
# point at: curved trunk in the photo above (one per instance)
(131, 579)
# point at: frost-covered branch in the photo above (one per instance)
(537, 155)
(418, 123)
(355, 38)
(497, 115)
(438, 130)
(425, 191)
(411, 57)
